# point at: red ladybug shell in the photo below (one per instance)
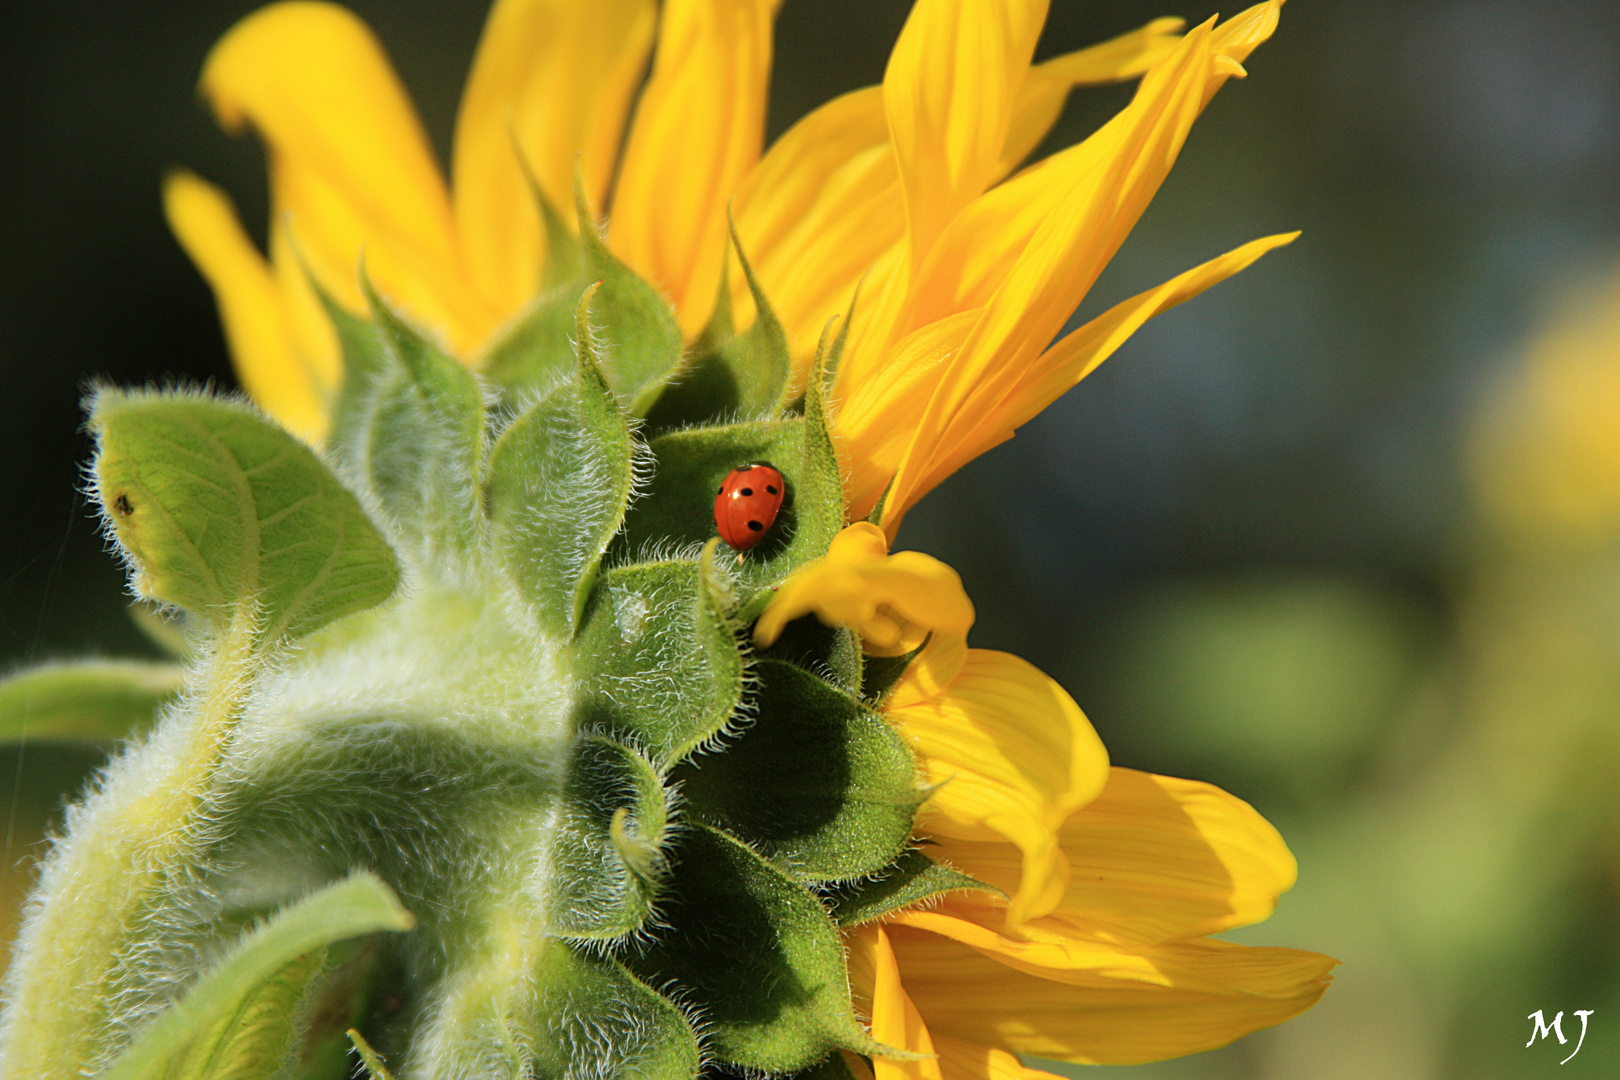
(747, 505)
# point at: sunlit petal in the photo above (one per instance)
(950, 91)
(1013, 757)
(292, 377)
(350, 166)
(1154, 858)
(552, 80)
(1093, 1004)
(697, 132)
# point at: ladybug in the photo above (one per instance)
(746, 507)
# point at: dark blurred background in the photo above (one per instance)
(1250, 545)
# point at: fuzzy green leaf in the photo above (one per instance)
(641, 342)
(755, 954)
(218, 507)
(608, 860)
(227, 1021)
(87, 701)
(911, 879)
(690, 467)
(410, 430)
(559, 481)
(816, 782)
(657, 659)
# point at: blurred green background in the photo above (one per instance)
(1253, 545)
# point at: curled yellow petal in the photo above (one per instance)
(552, 81)
(1095, 1004)
(1154, 859)
(1013, 758)
(892, 601)
(293, 380)
(350, 167)
(895, 1021)
(697, 131)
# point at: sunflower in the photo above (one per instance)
(905, 285)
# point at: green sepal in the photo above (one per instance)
(219, 508)
(608, 859)
(242, 1017)
(641, 343)
(689, 469)
(755, 956)
(880, 673)
(656, 658)
(816, 782)
(730, 375)
(591, 1008)
(85, 701)
(832, 1067)
(538, 345)
(560, 478)
(409, 430)
(911, 879)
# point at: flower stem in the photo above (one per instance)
(141, 828)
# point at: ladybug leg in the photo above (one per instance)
(739, 558)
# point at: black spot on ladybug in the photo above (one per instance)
(754, 526)
(770, 489)
(746, 492)
(122, 506)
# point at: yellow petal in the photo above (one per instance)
(1078, 354)
(696, 134)
(350, 166)
(950, 90)
(873, 414)
(1028, 251)
(895, 1020)
(1097, 1005)
(290, 383)
(1155, 859)
(552, 80)
(893, 601)
(823, 204)
(959, 1060)
(1047, 86)
(1013, 757)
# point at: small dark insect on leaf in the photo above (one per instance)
(122, 507)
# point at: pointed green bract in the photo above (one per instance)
(815, 782)
(911, 879)
(754, 952)
(641, 343)
(657, 658)
(593, 1008)
(409, 431)
(219, 508)
(731, 375)
(560, 479)
(89, 701)
(226, 1024)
